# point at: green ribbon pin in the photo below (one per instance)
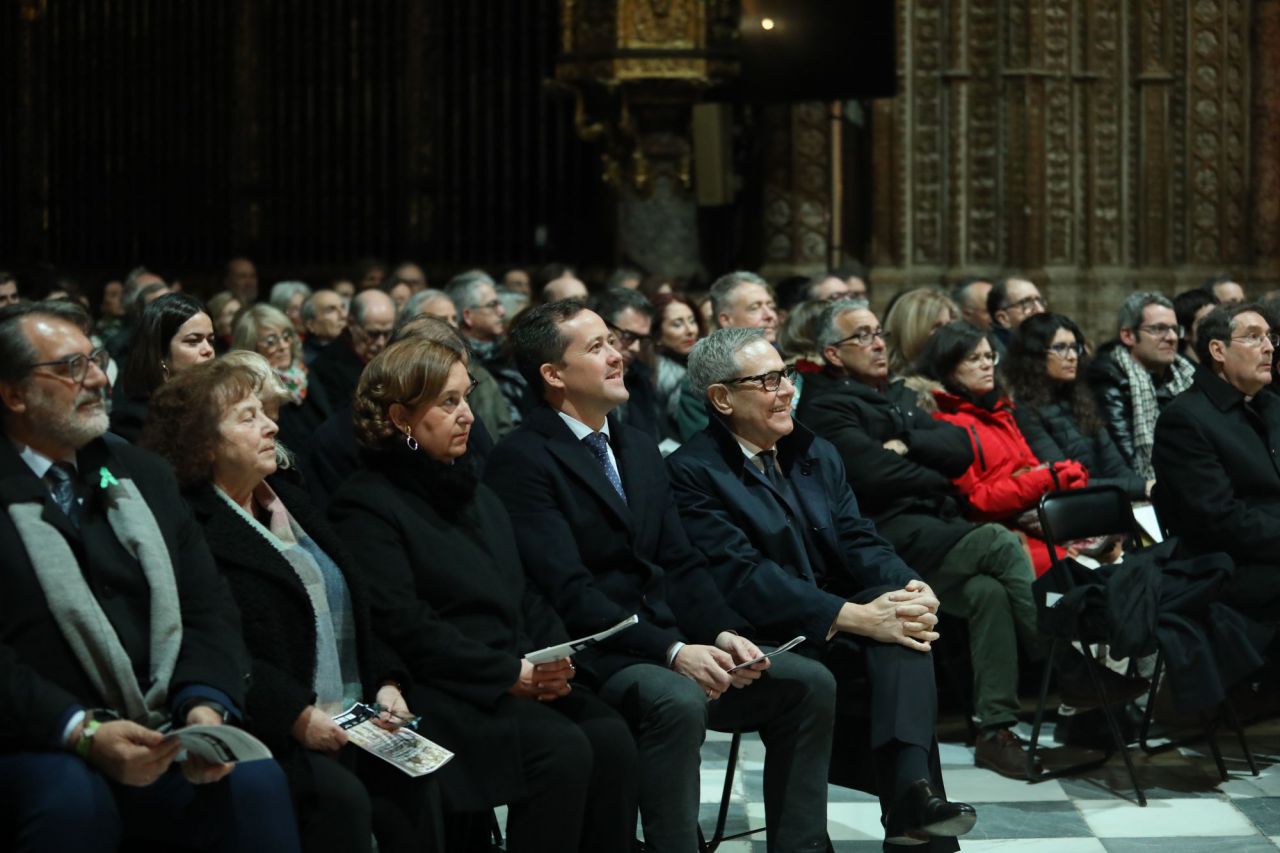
(106, 478)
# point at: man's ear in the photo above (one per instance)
(13, 398)
(1001, 318)
(720, 401)
(1128, 338)
(1218, 351)
(722, 320)
(551, 375)
(831, 355)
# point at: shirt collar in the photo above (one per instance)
(37, 461)
(749, 450)
(581, 430)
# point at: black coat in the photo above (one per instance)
(1054, 435)
(641, 409)
(1115, 401)
(338, 368)
(1217, 471)
(128, 413)
(279, 621)
(786, 562)
(910, 498)
(597, 559)
(448, 592)
(40, 678)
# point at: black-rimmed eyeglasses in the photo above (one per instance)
(864, 338)
(770, 381)
(628, 338)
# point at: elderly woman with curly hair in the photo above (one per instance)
(267, 331)
(303, 604)
(439, 546)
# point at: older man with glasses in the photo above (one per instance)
(370, 322)
(116, 626)
(1137, 375)
(1011, 300)
(482, 320)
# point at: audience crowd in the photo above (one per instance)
(260, 512)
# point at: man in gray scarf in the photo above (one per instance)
(113, 624)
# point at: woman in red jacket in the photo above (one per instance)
(1006, 480)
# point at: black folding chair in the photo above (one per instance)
(1064, 517)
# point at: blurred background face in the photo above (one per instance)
(751, 307)
(369, 337)
(276, 345)
(486, 320)
(679, 329)
(242, 279)
(441, 308)
(400, 294)
(191, 344)
(1022, 300)
(331, 315)
(294, 311)
(226, 317)
(830, 289)
(975, 304)
(1062, 360)
(113, 299)
(976, 372)
(631, 328)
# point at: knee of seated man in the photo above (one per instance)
(814, 683)
(1004, 548)
(985, 594)
(61, 797)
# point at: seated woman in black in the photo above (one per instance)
(173, 334)
(303, 609)
(438, 545)
(1055, 408)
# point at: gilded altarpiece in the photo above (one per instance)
(1098, 145)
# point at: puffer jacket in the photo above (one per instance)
(1005, 478)
(1054, 435)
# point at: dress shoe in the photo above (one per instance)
(1002, 751)
(922, 813)
(1075, 687)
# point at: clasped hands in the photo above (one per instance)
(709, 665)
(905, 616)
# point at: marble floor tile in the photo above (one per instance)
(1164, 818)
(974, 785)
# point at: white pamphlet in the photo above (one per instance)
(220, 744)
(785, 647)
(403, 747)
(569, 649)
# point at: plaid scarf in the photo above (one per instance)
(1142, 396)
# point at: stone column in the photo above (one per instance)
(1266, 146)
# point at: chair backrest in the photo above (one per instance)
(1083, 513)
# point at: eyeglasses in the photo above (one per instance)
(628, 338)
(1064, 351)
(376, 334)
(76, 367)
(1160, 330)
(864, 338)
(491, 305)
(1255, 339)
(1025, 305)
(273, 340)
(976, 358)
(770, 381)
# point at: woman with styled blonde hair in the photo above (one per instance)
(914, 317)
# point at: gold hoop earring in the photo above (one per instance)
(409, 440)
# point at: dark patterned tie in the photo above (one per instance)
(599, 444)
(768, 461)
(62, 484)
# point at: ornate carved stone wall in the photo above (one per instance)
(1098, 145)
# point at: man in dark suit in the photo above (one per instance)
(113, 623)
(766, 501)
(899, 462)
(1217, 456)
(598, 533)
(369, 326)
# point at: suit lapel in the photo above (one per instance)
(582, 464)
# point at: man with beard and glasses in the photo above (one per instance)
(114, 625)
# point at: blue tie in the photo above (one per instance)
(599, 444)
(60, 478)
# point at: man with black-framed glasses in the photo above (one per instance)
(370, 322)
(1011, 300)
(1137, 375)
(769, 505)
(115, 625)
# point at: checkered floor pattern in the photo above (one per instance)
(1189, 809)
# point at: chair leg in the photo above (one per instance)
(1109, 713)
(723, 815)
(1149, 714)
(1209, 725)
(1033, 746)
(1229, 713)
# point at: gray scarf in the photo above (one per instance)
(1142, 396)
(80, 618)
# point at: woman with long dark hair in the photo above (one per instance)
(173, 333)
(1056, 410)
(675, 330)
(1006, 479)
